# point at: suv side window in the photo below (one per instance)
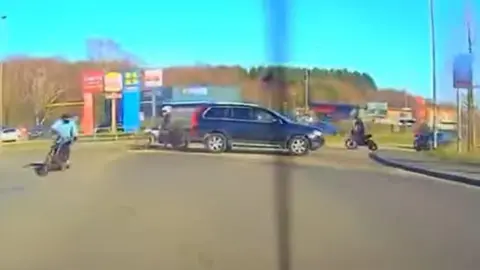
(242, 113)
(262, 115)
(217, 112)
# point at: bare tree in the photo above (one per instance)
(43, 86)
(107, 51)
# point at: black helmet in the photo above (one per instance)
(65, 118)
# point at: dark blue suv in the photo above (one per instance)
(223, 126)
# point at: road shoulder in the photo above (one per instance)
(430, 166)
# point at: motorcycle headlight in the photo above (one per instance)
(315, 133)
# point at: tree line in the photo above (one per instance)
(31, 84)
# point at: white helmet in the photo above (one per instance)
(166, 109)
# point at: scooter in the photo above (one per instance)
(423, 142)
(177, 138)
(55, 160)
(354, 141)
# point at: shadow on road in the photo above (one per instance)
(33, 165)
(37, 168)
(202, 150)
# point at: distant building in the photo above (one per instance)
(334, 111)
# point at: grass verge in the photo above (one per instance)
(450, 153)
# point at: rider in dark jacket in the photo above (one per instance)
(166, 118)
(358, 129)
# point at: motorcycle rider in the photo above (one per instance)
(66, 133)
(165, 126)
(358, 129)
(166, 117)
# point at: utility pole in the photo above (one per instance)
(470, 97)
(2, 34)
(307, 89)
(459, 121)
(434, 73)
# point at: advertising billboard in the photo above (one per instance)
(463, 71)
(131, 80)
(131, 101)
(113, 82)
(376, 109)
(152, 78)
(92, 81)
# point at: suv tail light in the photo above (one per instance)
(195, 118)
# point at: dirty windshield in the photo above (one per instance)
(239, 135)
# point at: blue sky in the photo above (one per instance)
(388, 39)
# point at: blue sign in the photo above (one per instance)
(131, 80)
(463, 71)
(131, 100)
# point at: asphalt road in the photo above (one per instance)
(119, 209)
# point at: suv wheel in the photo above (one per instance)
(216, 143)
(298, 146)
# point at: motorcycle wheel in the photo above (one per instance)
(43, 169)
(417, 147)
(372, 146)
(351, 144)
(151, 141)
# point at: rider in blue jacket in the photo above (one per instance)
(66, 133)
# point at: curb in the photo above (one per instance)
(437, 174)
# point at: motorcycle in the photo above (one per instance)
(422, 142)
(176, 137)
(55, 160)
(353, 142)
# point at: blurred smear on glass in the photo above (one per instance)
(277, 23)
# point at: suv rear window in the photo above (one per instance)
(217, 112)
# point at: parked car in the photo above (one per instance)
(222, 126)
(37, 132)
(9, 134)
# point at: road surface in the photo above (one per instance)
(119, 209)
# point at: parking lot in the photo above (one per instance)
(119, 208)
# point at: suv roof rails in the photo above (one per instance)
(209, 102)
(235, 103)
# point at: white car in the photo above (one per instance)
(9, 135)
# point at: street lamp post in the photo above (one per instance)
(434, 73)
(2, 18)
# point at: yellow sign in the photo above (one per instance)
(113, 82)
(131, 78)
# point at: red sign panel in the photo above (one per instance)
(92, 81)
(323, 108)
(420, 109)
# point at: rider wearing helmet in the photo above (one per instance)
(66, 132)
(167, 117)
(358, 129)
